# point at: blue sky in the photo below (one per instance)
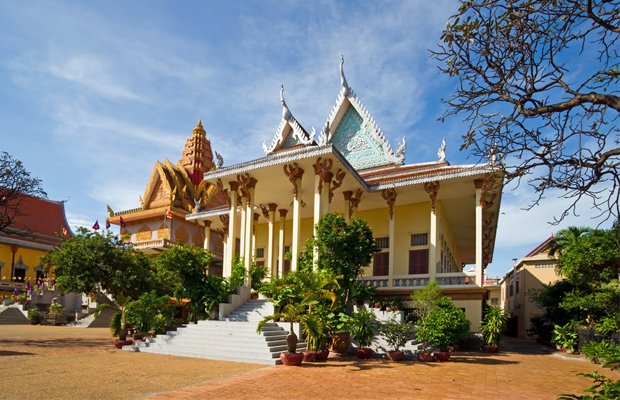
(92, 93)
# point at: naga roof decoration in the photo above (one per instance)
(350, 127)
(290, 133)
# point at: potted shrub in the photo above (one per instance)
(492, 328)
(320, 343)
(565, 337)
(363, 331)
(396, 334)
(56, 310)
(141, 313)
(118, 323)
(398, 304)
(363, 293)
(445, 326)
(423, 304)
(33, 316)
(341, 331)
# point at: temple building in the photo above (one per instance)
(174, 191)
(431, 219)
(37, 229)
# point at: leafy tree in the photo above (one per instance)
(16, 183)
(344, 249)
(182, 271)
(143, 312)
(90, 261)
(537, 83)
(446, 325)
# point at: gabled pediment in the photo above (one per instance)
(290, 133)
(354, 132)
(156, 187)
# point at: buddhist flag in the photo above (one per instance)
(64, 231)
(107, 224)
(122, 221)
(168, 214)
(96, 226)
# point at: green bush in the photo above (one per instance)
(363, 328)
(396, 334)
(141, 313)
(594, 350)
(446, 325)
(493, 325)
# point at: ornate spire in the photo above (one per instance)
(286, 113)
(197, 155)
(343, 80)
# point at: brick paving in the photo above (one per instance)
(522, 370)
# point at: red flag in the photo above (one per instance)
(122, 221)
(168, 214)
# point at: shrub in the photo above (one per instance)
(396, 334)
(446, 325)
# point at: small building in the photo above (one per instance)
(534, 270)
(22, 244)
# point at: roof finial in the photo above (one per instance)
(343, 80)
(286, 113)
(199, 130)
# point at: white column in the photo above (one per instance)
(270, 241)
(232, 233)
(478, 183)
(391, 250)
(432, 251)
(225, 261)
(281, 240)
(347, 205)
(249, 230)
(296, 227)
(325, 195)
(242, 229)
(317, 216)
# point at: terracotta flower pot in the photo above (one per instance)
(487, 348)
(309, 356)
(424, 357)
(456, 347)
(396, 355)
(442, 355)
(292, 358)
(341, 342)
(364, 354)
(120, 343)
(321, 355)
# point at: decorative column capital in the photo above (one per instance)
(246, 182)
(283, 212)
(389, 195)
(432, 188)
(347, 195)
(272, 207)
(336, 183)
(478, 183)
(294, 173)
(323, 170)
(225, 222)
(207, 223)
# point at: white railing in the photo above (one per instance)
(452, 279)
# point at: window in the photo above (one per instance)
(419, 239)
(260, 253)
(260, 263)
(383, 242)
(418, 262)
(40, 275)
(380, 264)
(287, 266)
(494, 301)
(20, 274)
(511, 290)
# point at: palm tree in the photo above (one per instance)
(118, 324)
(568, 237)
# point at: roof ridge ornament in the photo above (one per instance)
(325, 135)
(343, 80)
(441, 153)
(286, 113)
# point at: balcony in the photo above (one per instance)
(448, 280)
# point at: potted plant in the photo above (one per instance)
(565, 337)
(492, 328)
(33, 316)
(363, 293)
(445, 326)
(363, 331)
(398, 304)
(118, 323)
(56, 310)
(396, 334)
(423, 304)
(320, 343)
(341, 332)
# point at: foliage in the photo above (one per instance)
(537, 83)
(603, 389)
(340, 322)
(141, 313)
(183, 272)
(118, 324)
(90, 261)
(446, 324)
(344, 249)
(257, 274)
(295, 313)
(398, 303)
(363, 327)
(396, 334)
(493, 325)
(594, 350)
(565, 336)
(34, 315)
(15, 184)
(160, 324)
(55, 308)
(363, 292)
(423, 302)
(322, 341)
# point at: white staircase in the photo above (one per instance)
(232, 339)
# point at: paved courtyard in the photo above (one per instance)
(70, 363)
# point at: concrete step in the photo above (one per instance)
(13, 316)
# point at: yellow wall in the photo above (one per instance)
(473, 309)
(30, 257)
